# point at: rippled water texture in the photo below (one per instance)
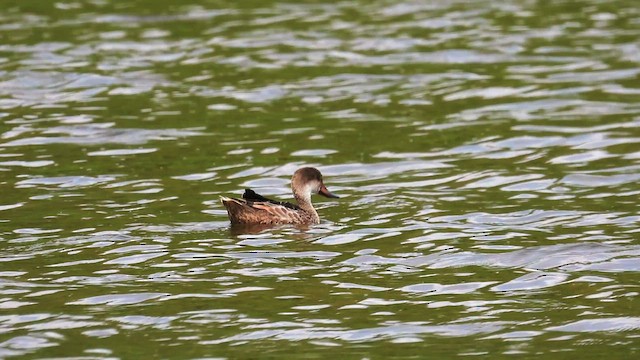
(487, 155)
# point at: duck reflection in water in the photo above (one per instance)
(294, 231)
(255, 210)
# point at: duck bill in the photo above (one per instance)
(324, 192)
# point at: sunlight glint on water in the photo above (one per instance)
(486, 155)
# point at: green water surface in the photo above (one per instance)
(487, 155)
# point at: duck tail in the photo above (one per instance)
(226, 201)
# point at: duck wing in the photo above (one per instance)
(251, 197)
(243, 211)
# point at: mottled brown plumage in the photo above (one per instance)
(256, 209)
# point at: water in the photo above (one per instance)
(487, 155)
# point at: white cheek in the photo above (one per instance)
(311, 189)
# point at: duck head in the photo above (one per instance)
(307, 181)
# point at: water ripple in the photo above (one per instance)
(486, 155)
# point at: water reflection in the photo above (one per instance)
(253, 229)
(488, 154)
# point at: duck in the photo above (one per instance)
(254, 208)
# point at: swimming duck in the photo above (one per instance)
(257, 209)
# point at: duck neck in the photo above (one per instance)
(304, 202)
